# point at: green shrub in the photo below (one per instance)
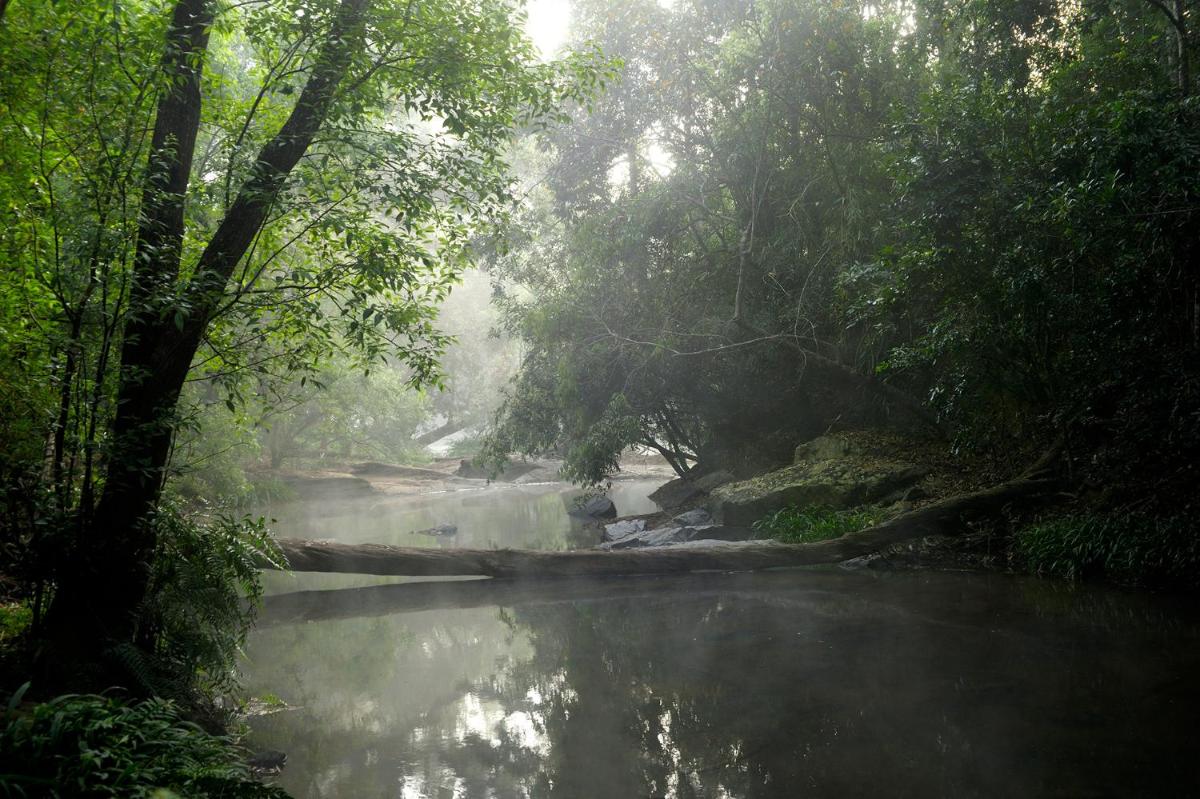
(203, 597)
(1130, 549)
(82, 745)
(797, 525)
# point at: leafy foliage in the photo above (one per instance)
(1131, 549)
(989, 207)
(807, 525)
(206, 201)
(85, 745)
(203, 598)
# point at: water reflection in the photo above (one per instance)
(785, 684)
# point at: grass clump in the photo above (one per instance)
(15, 618)
(87, 745)
(807, 525)
(1131, 549)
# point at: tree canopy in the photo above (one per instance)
(218, 194)
(971, 218)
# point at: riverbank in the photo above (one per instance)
(929, 503)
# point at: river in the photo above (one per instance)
(813, 683)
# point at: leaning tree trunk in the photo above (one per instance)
(946, 517)
(99, 593)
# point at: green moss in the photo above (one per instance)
(807, 525)
(1130, 549)
(15, 618)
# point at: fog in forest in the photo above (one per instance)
(599, 398)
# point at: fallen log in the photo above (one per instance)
(945, 517)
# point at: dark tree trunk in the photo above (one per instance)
(104, 579)
(99, 593)
(1183, 67)
(1176, 12)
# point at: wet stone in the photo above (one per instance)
(619, 530)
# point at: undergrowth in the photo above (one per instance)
(807, 525)
(1130, 549)
(87, 745)
(204, 594)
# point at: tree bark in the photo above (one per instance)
(102, 587)
(1177, 15)
(946, 517)
(104, 578)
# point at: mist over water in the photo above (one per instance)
(814, 683)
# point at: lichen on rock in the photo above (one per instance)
(836, 471)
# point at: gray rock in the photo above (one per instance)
(652, 538)
(714, 480)
(674, 493)
(692, 518)
(619, 530)
(663, 536)
(682, 490)
(595, 508)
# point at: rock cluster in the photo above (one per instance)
(694, 525)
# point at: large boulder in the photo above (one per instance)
(692, 518)
(832, 472)
(682, 490)
(595, 508)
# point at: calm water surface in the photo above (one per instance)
(784, 684)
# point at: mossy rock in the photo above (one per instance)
(832, 472)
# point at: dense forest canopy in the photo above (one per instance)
(214, 202)
(242, 237)
(968, 217)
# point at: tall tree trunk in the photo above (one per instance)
(1176, 12)
(104, 579)
(1183, 66)
(105, 584)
